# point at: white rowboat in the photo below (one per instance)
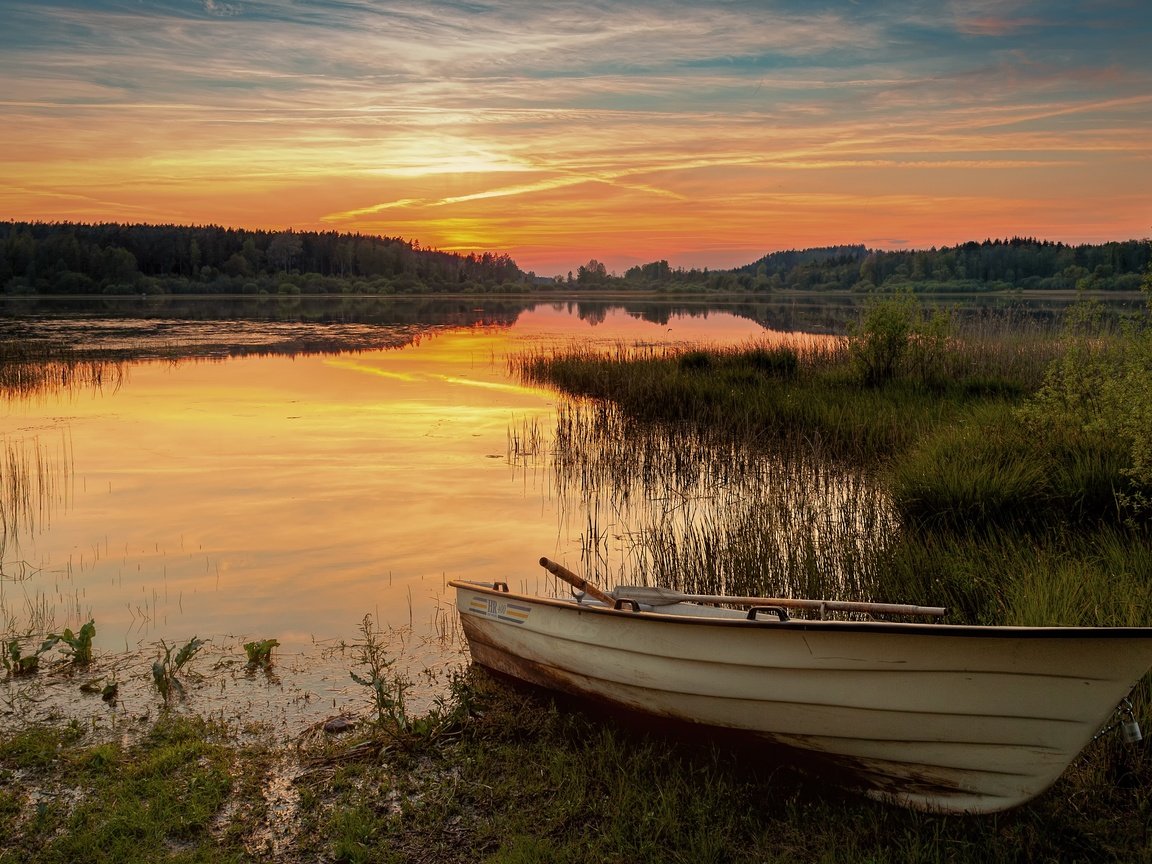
(936, 717)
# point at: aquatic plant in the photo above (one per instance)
(260, 653)
(77, 645)
(19, 663)
(165, 669)
(386, 687)
(667, 505)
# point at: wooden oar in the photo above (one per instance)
(577, 582)
(653, 596)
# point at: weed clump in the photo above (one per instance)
(387, 688)
(165, 669)
(260, 653)
(78, 645)
(695, 361)
(16, 662)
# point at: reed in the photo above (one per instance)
(808, 389)
(525, 442)
(35, 480)
(31, 368)
(665, 506)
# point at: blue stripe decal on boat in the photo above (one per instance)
(501, 610)
(514, 613)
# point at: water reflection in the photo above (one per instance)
(223, 326)
(253, 478)
(35, 482)
(285, 495)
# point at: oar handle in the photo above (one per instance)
(577, 582)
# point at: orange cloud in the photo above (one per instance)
(704, 134)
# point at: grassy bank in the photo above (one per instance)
(971, 468)
(504, 776)
(864, 398)
(975, 427)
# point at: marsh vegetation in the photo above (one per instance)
(1000, 471)
(910, 456)
(995, 466)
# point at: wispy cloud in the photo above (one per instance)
(560, 130)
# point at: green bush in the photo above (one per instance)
(1099, 393)
(896, 338)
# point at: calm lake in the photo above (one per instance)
(281, 469)
(239, 495)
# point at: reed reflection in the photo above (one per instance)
(35, 482)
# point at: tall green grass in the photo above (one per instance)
(710, 516)
(1062, 577)
(806, 390)
(990, 468)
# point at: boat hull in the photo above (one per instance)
(935, 717)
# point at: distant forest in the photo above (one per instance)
(993, 265)
(72, 258)
(1021, 262)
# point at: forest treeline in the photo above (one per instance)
(991, 265)
(109, 258)
(1019, 262)
(72, 258)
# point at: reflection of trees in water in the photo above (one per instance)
(667, 506)
(71, 330)
(318, 309)
(172, 327)
(829, 313)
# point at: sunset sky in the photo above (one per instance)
(703, 132)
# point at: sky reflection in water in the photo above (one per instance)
(287, 497)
